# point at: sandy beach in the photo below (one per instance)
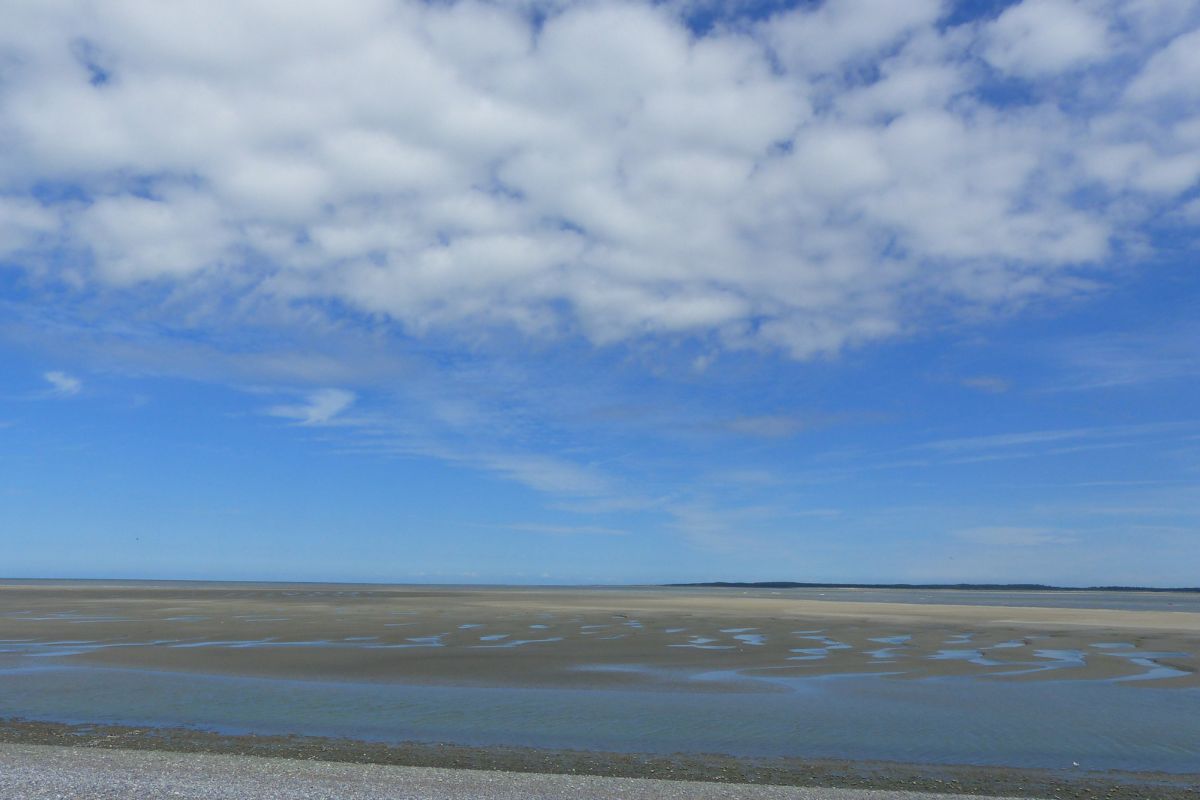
(581, 637)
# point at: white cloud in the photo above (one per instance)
(320, 407)
(23, 222)
(137, 239)
(827, 177)
(62, 384)
(841, 32)
(1040, 37)
(543, 473)
(1171, 74)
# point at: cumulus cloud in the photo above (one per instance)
(136, 239)
(319, 407)
(62, 384)
(826, 176)
(1040, 37)
(1170, 74)
(23, 223)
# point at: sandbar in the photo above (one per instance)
(637, 637)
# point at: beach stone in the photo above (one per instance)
(45, 772)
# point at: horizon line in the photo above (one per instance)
(961, 586)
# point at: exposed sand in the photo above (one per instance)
(546, 637)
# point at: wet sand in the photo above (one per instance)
(653, 637)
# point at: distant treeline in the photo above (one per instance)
(1011, 587)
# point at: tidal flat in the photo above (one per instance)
(1108, 682)
(648, 637)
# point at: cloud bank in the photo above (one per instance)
(805, 181)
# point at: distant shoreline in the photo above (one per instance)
(980, 587)
(993, 587)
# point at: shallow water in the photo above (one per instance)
(940, 720)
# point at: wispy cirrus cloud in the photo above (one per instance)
(565, 530)
(63, 384)
(546, 473)
(319, 407)
(1127, 359)
(1004, 441)
(1011, 446)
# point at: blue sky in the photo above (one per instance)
(599, 292)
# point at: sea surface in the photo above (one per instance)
(1057, 724)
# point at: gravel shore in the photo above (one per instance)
(37, 749)
(44, 772)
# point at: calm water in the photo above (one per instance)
(946, 720)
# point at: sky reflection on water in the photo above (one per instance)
(1101, 725)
